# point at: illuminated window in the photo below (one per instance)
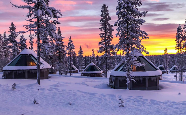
(24, 60)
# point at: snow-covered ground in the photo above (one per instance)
(80, 95)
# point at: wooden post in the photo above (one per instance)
(130, 85)
(147, 83)
(26, 74)
(157, 82)
(13, 75)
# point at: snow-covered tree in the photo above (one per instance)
(6, 49)
(42, 20)
(31, 41)
(80, 58)
(22, 43)
(106, 35)
(166, 59)
(1, 46)
(74, 59)
(1, 51)
(70, 49)
(179, 39)
(129, 32)
(13, 42)
(60, 52)
(93, 58)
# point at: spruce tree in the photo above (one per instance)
(74, 59)
(129, 32)
(43, 20)
(60, 52)
(6, 49)
(179, 39)
(106, 35)
(70, 49)
(93, 57)
(166, 59)
(12, 40)
(1, 52)
(80, 58)
(22, 43)
(31, 41)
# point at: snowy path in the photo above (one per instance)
(79, 95)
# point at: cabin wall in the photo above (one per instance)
(140, 83)
(73, 71)
(25, 74)
(92, 74)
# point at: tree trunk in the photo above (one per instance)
(70, 62)
(38, 50)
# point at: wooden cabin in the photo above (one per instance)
(146, 77)
(24, 66)
(161, 67)
(174, 69)
(92, 70)
(73, 69)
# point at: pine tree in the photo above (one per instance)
(39, 17)
(22, 43)
(80, 58)
(60, 52)
(1, 46)
(31, 41)
(106, 36)
(130, 35)
(13, 42)
(6, 49)
(74, 59)
(166, 59)
(70, 49)
(1, 52)
(179, 39)
(93, 58)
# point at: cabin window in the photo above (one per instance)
(147, 66)
(24, 60)
(92, 68)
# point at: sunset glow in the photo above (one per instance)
(80, 20)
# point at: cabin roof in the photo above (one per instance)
(92, 68)
(148, 69)
(27, 59)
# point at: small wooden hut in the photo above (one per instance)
(161, 67)
(73, 69)
(24, 66)
(92, 70)
(174, 69)
(146, 77)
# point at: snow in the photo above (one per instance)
(81, 95)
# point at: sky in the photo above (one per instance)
(81, 21)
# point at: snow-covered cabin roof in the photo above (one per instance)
(92, 68)
(74, 68)
(161, 67)
(149, 69)
(27, 59)
(174, 68)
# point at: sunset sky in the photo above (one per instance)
(80, 20)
